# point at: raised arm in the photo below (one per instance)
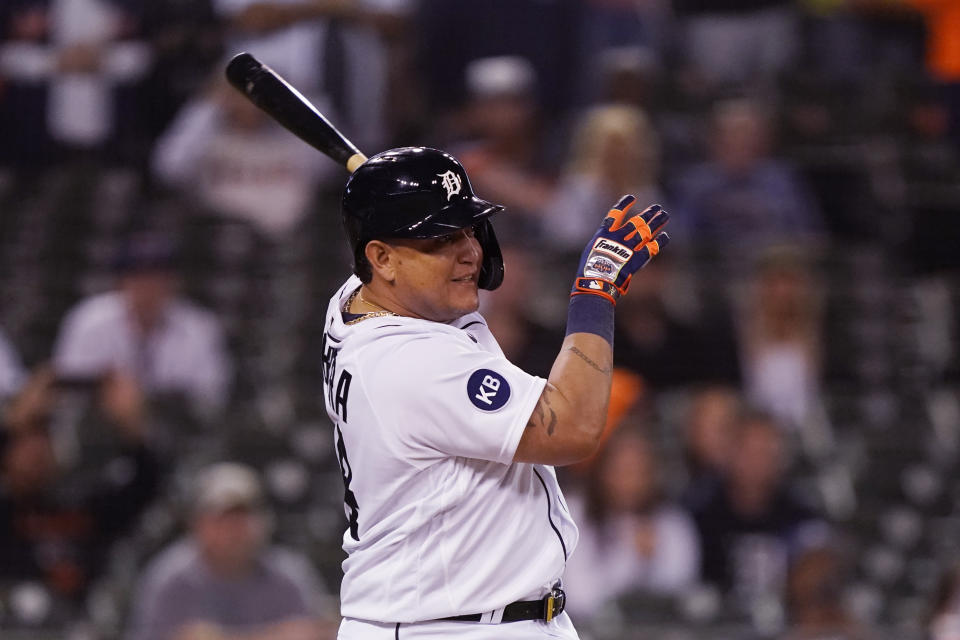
(567, 422)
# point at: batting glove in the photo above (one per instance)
(622, 246)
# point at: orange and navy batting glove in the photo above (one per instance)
(622, 245)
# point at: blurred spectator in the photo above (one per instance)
(187, 42)
(928, 155)
(628, 76)
(737, 41)
(753, 523)
(742, 199)
(708, 440)
(943, 51)
(930, 164)
(223, 581)
(333, 51)
(452, 34)
(815, 598)
(67, 62)
(615, 151)
(504, 158)
(524, 339)
(666, 348)
(945, 618)
(781, 339)
(55, 531)
(11, 369)
(618, 25)
(237, 161)
(861, 40)
(632, 538)
(145, 330)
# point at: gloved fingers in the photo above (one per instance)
(650, 212)
(650, 249)
(662, 240)
(619, 213)
(657, 221)
(647, 228)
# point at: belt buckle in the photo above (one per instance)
(553, 604)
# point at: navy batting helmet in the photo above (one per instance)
(417, 192)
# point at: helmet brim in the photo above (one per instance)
(463, 213)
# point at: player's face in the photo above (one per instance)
(436, 278)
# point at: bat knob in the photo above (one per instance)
(241, 70)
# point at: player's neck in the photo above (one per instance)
(370, 299)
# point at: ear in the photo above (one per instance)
(383, 259)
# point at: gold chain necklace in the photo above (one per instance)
(370, 314)
(373, 304)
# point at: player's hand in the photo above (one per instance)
(623, 244)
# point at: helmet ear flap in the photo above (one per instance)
(491, 271)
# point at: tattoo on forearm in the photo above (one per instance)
(585, 358)
(540, 417)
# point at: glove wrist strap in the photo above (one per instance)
(597, 287)
(591, 313)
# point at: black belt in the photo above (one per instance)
(546, 609)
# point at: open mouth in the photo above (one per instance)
(472, 277)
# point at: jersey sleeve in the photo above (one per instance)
(442, 397)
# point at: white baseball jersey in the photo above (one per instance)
(427, 417)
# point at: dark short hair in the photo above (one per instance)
(146, 251)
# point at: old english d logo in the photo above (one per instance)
(450, 182)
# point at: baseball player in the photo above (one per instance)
(457, 526)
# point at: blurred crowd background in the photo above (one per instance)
(782, 450)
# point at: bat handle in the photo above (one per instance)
(355, 161)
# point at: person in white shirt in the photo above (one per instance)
(632, 538)
(144, 330)
(86, 54)
(457, 526)
(229, 157)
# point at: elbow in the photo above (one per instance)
(587, 444)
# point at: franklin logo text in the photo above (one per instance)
(612, 248)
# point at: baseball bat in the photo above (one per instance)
(265, 88)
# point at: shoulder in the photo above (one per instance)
(291, 567)
(777, 171)
(100, 309)
(674, 517)
(699, 175)
(171, 568)
(187, 315)
(410, 340)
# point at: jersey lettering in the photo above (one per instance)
(329, 361)
(336, 399)
(350, 506)
(488, 389)
(343, 388)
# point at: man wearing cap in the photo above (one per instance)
(223, 582)
(144, 330)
